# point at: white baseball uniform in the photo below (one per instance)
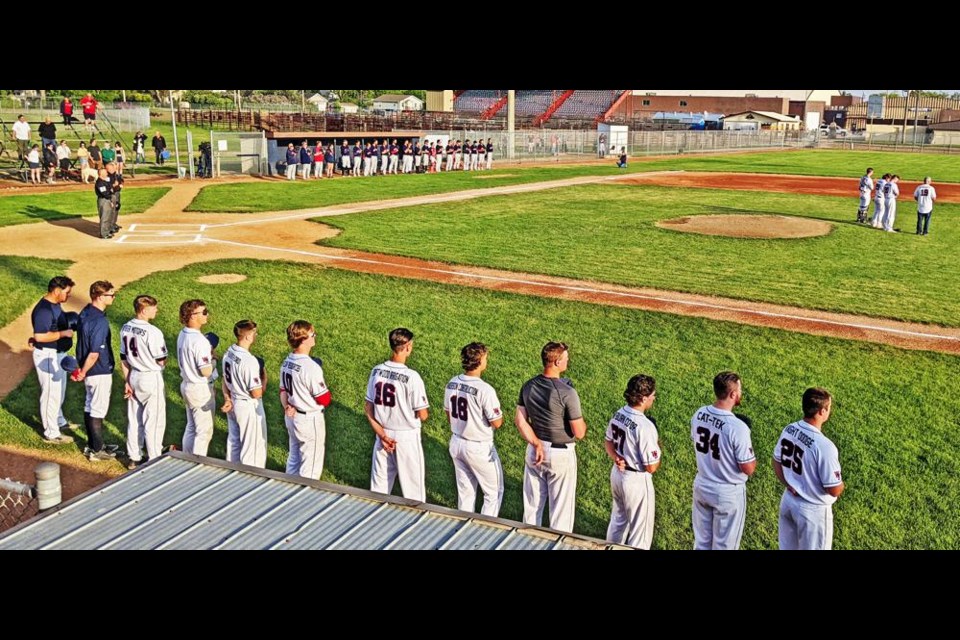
(890, 193)
(246, 422)
(302, 378)
(471, 406)
(397, 393)
(924, 194)
(810, 464)
(194, 353)
(141, 347)
(877, 219)
(866, 186)
(635, 439)
(722, 443)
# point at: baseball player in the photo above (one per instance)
(198, 371)
(725, 460)
(808, 465)
(474, 412)
(489, 153)
(396, 406)
(866, 186)
(877, 219)
(52, 339)
(890, 193)
(924, 194)
(631, 442)
(304, 396)
(242, 389)
(550, 420)
(95, 355)
(143, 354)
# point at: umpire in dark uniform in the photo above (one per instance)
(104, 190)
(116, 184)
(550, 420)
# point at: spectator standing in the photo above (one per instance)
(48, 132)
(89, 105)
(66, 110)
(159, 146)
(21, 133)
(139, 141)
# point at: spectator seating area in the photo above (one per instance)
(586, 104)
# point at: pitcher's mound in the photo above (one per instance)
(222, 278)
(748, 226)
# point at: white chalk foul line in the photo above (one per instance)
(453, 196)
(623, 294)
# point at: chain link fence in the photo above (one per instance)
(18, 502)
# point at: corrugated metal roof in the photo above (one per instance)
(180, 501)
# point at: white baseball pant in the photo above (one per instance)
(317, 169)
(890, 214)
(631, 517)
(146, 414)
(477, 463)
(247, 433)
(450, 159)
(53, 387)
(474, 159)
(489, 160)
(804, 525)
(864, 200)
(555, 479)
(291, 172)
(98, 395)
(407, 163)
(199, 400)
(305, 171)
(719, 511)
(393, 164)
(877, 220)
(406, 462)
(308, 436)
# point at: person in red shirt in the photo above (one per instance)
(89, 104)
(66, 110)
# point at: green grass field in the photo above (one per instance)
(24, 282)
(607, 233)
(910, 166)
(894, 415)
(71, 204)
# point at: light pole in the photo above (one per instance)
(176, 144)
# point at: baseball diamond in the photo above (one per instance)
(393, 278)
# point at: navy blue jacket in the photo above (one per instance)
(93, 333)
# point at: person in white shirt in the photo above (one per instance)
(305, 397)
(890, 192)
(807, 463)
(21, 132)
(63, 157)
(632, 443)
(396, 406)
(924, 194)
(243, 387)
(143, 355)
(473, 409)
(198, 371)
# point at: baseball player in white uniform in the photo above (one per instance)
(725, 460)
(877, 219)
(866, 186)
(474, 412)
(890, 193)
(632, 443)
(305, 396)
(242, 391)
(924, 194)
(808, 465)
(198, 371)
(143, 354)
(52, 338)
(396, 406)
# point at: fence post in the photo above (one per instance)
(48, 484)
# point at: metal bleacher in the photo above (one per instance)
(477, 101)
(586, 104)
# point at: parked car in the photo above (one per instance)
(840, 131)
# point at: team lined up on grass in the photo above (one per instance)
(548, 416)
(885, 201)
(386, 156)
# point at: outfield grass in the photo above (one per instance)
(23, 282)
(71, 204)
(825, 162)
(304, 194)
(894, 417)
(607, 233)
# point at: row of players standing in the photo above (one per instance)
(885, 201)
(548, 417)
(387, 157)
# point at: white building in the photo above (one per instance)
(393, 102)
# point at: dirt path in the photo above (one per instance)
(165, 238)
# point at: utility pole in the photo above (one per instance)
(903, 130)
(916, 115)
